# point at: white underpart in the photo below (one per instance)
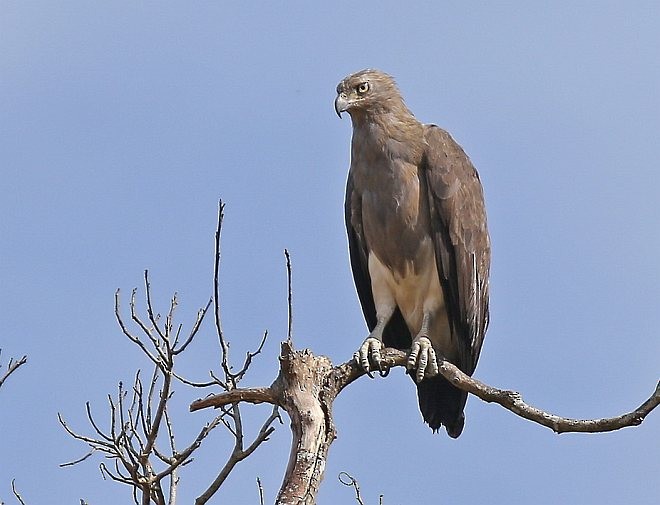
(415, 293)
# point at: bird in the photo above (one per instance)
(418, 243)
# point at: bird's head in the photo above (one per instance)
(367, 92)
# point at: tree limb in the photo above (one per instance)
(307, 386)
(344, 374)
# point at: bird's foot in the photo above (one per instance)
(422, 360)
(368, 356)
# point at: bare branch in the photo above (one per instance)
(289, 298)
(264, 432)
(94, 443)
(156, 423)
(214, 382)
(248, 359)
(98, 431)
(261, 491)
(150, 311)
(12, 366)
(169, 320)
(181, 458)
(249, 395)
(128, 334)
(238, 454)
(307, 386)
(346, 373)
(200, 317)
(79, 460)
(16, 493)
(349, 481)
(224, 345)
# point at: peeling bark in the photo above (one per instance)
(300, 385)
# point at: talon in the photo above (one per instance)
(435, 370)
(369, 354)
(412, 357)
(419, 376)
(422, 359)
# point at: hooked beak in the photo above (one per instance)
(341, 104)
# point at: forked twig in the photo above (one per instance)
(12, 366)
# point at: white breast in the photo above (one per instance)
(415, 291)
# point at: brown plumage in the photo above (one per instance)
(418, 242)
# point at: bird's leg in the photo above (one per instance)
(422, 355)
(369, 351)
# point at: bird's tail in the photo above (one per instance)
(442, 405)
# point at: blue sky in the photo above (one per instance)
(122, 123)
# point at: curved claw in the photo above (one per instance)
(422, 358)
(356, 357)
(368, 353)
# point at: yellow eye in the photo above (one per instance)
(363, 88)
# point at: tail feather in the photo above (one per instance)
(442, 405)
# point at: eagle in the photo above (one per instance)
(418, 242)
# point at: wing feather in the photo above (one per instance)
(462, 245)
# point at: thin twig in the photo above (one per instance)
(248, 359)
(162, 405)
(99, 444)
(261, 491)
(90, 417)
(150, 311)
(224, 345)
(16, 493)
(264, 432)
(79, 460)
(128, 334)
(182, 458)
(214, 382)
(200, 317)
(238, 454)
(148, 331)
(349, 481)
(289, 298)
(12, 366)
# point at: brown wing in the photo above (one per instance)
(462, 245)
(396, 333)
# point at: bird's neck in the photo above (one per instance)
(395, 135)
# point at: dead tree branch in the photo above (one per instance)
(307, 386)
(289, 298)
(12, 366)
(349, 481)
(17, 495)
(233, 420)
(510, 400)
(133, 437)
(140, 437)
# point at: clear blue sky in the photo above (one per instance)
(122, 123)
